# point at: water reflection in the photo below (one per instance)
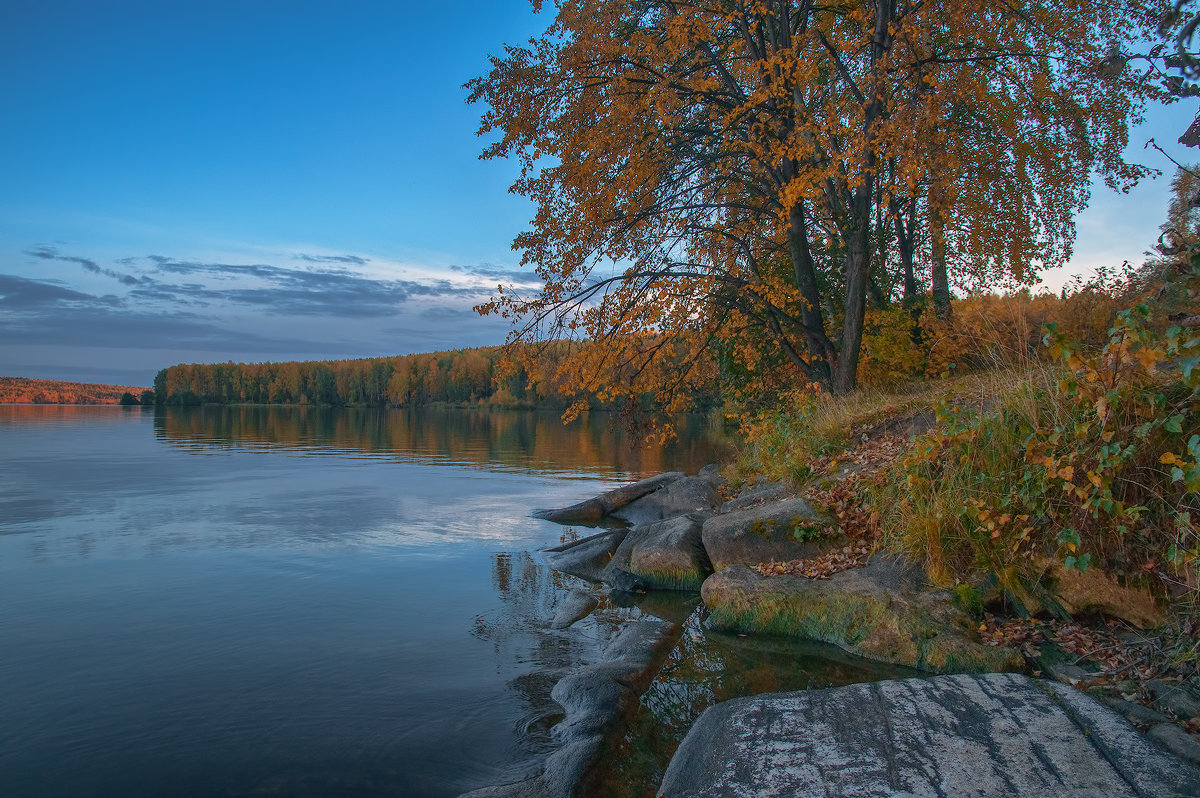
(704, 669)
(528, 440)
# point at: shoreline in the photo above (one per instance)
(742, 553)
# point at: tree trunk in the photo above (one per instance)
(938, 277)
(858, 267)
(906, 245)
(857, 226)
(857, 263)
(819, 345)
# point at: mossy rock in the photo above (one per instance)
(882, 612)
(664, 555)
(776, 530)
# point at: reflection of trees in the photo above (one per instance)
(500, 439)
(706, 668)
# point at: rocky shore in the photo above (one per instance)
(765, 561)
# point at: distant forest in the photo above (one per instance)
(460, 376)
(20, 390)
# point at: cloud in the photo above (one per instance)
(23, 294)
(352, 259)
(50, 253)
(331, 292)
(490, 272)
(165, 309)
(113, 327)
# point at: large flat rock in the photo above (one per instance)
(588, 557)
(990, 735)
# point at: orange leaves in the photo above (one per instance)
(843, 558)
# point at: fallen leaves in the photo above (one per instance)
(831, 562)
(1100, 644)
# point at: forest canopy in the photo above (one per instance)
(460, 376)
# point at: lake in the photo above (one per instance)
(305, 601)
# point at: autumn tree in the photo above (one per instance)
(715, 170)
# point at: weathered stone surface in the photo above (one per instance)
(712, 473)
(883, 612)
(759, 494)
(592, 511)
(586, 558)
(663, 555)
(1095, 591)
(1177, 698)
(574, 606)
(761, 533)
(1135, 713)
(1173, 737)
(685, 495)
(990, 735)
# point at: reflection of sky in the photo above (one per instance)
(131, 497)
(267, 620)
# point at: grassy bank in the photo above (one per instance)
(1067, 453)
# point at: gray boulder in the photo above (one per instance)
(762, 533)
(990, 735)
(685, 495)
(712, 473)
(592, 511)
(759, 494)
(664, 555)
(884, 612)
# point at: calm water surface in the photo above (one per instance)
(251, 601)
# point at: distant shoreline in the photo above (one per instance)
(29, 391)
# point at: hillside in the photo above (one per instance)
(21, 390)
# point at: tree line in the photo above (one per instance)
(24, 390)
(482, 375)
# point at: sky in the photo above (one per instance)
(285, 180)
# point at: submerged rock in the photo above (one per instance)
(990, 735)
(588, 557)
(664, 555)
(884, 612)
(592, 511)
(574, 607)
(594, 698)
(762, 533)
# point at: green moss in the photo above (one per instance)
(969, 600)
(684, 579)
(864, 624)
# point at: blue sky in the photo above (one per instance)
(281, 179)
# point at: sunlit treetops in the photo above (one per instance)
(752, 175)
